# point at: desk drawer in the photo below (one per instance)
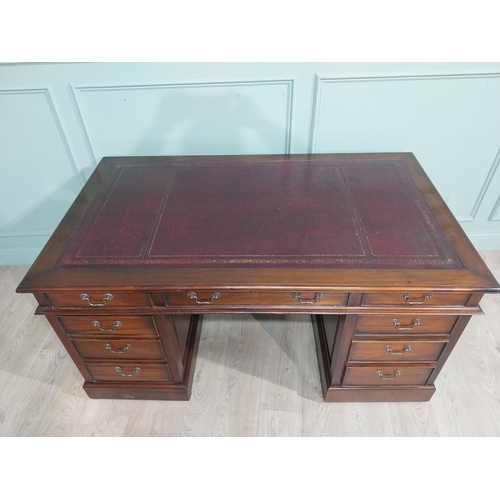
(129, 372)
(97, 300)
(405, 324)
(396, 350)
(108, 325)
(416, 299)
(119, 349)
(232, 298)
(386, 374)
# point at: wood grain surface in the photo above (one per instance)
(255, 376)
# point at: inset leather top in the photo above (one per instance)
(310, 213)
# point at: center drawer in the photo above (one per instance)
(236, 298)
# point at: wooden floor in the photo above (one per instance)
(255, 376)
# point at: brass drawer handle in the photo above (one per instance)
(380, 373)
(116, 324)
(416, 302)
(317, 295)
(215, 295)
(407, 348)
(125, 348)
(105, 298)
(414, 323)
(119, 370)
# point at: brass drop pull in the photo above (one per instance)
(214, 296)
(119, 370)
(380, 373)
(414, 323)
(388, 348)
(105, 298)
(298, 296)
(416, 302)
(116, 324)
(125, 348)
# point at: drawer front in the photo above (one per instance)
(97, 300)
(405, 324)
(231, 298)
(394, 350)
(387, 375)
(111, 349)
(129, 372)
(415, 299)
(108, 325)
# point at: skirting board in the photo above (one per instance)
(18, 256)
(485, 241)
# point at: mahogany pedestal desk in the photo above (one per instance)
(361, 242)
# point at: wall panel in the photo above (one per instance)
(240, 117)
(58, 120)
(450, 122)
(38, 175)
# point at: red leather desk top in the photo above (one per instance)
(319, 213)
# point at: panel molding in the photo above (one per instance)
(21, 247)
(46, 90)
(19, 255)
(464, 218)
(485, 187)
(495, 213)
(54, 108)
(79, 89)
(12, 233)
(320, 81)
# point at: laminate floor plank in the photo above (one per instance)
(283, 367)
(33, 400)
(467, 401)
(369, 420)
(105, 420)
(238, 403)
(29, 359)
(492, 260)
(11, 277)
(196, 417)
(415, 419)
(15, 320)
(66, 415)
(157, 421)
(255, 376)
(141, 417)
(274, 423)
(322, 420)
(319, 419)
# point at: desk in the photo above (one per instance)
(361, 242)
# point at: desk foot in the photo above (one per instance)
(158, 392)
(375, 394)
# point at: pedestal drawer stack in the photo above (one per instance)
(122, 344)
(396, 349)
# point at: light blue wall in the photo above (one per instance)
(58, 120)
